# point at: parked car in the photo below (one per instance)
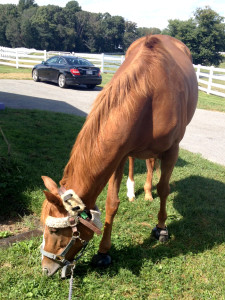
(68, 70)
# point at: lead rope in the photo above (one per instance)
(71, 283)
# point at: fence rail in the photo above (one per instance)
(19, 57)
(210, 79)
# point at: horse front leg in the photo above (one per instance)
(168, 162)
(102, 259)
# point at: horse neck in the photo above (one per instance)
(91, 164)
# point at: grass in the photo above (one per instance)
(189, 266)
(211, 102)
(7, 72)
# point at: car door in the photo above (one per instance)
(53, 68)
(58, 68)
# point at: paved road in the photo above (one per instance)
(39, 95)
(205, 134)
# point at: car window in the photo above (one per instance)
(78, 61)
(53, 60)
(61, 61)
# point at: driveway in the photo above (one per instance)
(28, 94)
(205, 134)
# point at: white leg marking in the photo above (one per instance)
(130, 188)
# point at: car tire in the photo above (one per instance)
(91, 86)
(62, 81)
(35, 75)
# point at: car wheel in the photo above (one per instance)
(62, 81)
(35, 75)
(91, 86)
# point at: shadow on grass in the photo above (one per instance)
(40, 145)
(201, 203)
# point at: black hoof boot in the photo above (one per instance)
(101, 260)
(160, 234)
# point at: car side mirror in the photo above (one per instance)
(43, 62)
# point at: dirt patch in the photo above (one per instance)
(18, 225)
(18, 229)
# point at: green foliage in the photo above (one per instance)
(70, 28)
(5, 234)
(64, 29)
(204, 35)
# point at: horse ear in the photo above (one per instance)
(50, 184)
(53, 198)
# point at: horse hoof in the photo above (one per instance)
(131, 199)
(101, 260)
(160, 234)
(148, 197)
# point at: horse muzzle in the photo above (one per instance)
(50, 269)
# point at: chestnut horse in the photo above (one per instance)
(143, 113)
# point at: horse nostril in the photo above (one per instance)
(45, 271)
(76, 208)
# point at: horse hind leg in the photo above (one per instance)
(130, 180)
(148, 184)
(168, 162)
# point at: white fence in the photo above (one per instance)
(210, 79)
(20, 57)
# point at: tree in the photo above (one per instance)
(130, 34)
(210, 35)
(28, 30)
(73, 6)
(8, 12)
(184, 31)
(13, 33)
(204, 35)
(25, 4)
(113, 28)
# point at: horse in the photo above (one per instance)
(143, 113)
(150, 164)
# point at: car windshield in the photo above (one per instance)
(78, 61)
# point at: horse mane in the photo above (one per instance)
(133, 80)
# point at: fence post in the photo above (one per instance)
(17, 59)
(45, 55)
(102, 64)
(198, 71)
(210, 79)
(122, 59)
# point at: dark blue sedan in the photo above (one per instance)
(68, 70)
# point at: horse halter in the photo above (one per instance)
(76, 214)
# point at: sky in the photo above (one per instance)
(146, 13)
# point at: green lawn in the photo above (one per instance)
(190, 266)
(211, 102)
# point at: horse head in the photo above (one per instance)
(68, 227)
